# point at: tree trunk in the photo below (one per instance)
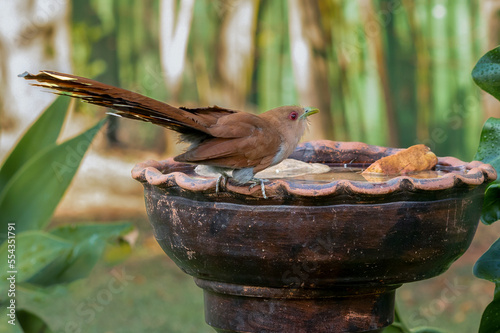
(374, 40)
(490, 10)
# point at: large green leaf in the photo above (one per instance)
(489, 144)
(89, 242)
(490, 319)
(491, 204)
(488, 265)
(9, 324)
(31, 304)
(486, 73)
(42, 133)
(489, 152)
(38, 302)
(31, 323)
(31, 196)
(32, 251)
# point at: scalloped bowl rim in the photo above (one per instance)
(476, 174)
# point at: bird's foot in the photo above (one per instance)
(221, 181)
(255, 182)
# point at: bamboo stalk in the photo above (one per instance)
(375, 46)
(309, 68)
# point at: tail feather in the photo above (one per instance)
(128, 104)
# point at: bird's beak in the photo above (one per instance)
(308, 111)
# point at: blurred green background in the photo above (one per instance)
(385, 72)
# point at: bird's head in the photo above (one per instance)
(290, 116)
(289, 121)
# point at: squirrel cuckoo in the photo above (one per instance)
(223, 139)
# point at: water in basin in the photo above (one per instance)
(299, 171)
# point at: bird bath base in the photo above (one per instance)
(314, 257)
(236, 308)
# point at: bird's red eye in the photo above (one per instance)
(293, 115)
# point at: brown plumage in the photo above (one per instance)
(224, 139)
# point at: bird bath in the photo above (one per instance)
(316, 256)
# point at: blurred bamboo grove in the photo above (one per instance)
(386, 72)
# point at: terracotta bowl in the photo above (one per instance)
(314, 256)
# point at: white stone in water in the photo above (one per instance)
(287, 168)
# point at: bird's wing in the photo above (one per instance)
(239, 142)
(231, 153)
(237, 125)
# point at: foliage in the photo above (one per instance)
(33, 180)
(487, 75)
(489, 321)
(43, 133)
(488, 153)
(488, 268)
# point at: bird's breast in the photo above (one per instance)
(280, 155)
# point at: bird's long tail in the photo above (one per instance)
(128, 104)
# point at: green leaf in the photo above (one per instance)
(490, 322)
(32, 303)
(40, 184)
(394, 328)
(33, 251)
(44, 132)
(488, 265)
(92, 232)
(489, 152)
(66, 254)
(89, 242)
(491, 204)
(5, 323)
(31, 323)
(489, 144)
(34, 298)
(486, 73)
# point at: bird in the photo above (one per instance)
(222, 139)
